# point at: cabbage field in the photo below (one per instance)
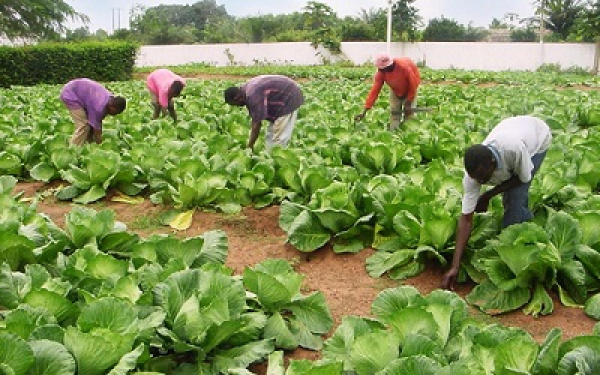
(93, 297)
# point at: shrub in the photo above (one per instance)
(54, 63)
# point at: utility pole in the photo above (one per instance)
(389, 27)
(542, 26)
(118, 18)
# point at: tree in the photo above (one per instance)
(35, 18)
(588, 29)
(509, 21)
(78, 34)
(497, 24)
(206, 11)
(523, 35)
(176, 23)
(474, 34)
(119, 34)
(354, 29)
(152, 28)
(443, 30)
(560, 16)
(260, 28)
(320, 20)
(221, 30)
(291, 28)
(406, 20)
(377, 18)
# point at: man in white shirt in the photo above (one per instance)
(508, 159)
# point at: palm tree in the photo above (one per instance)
(560, 16)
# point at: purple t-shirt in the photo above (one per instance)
(271, 96)
(89, 95)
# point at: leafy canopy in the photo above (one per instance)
(35, 18)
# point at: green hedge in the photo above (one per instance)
(59, 63)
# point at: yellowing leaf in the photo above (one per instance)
(183, 220)
(127, 199)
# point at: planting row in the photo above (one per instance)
(96, 299)
(354, 184)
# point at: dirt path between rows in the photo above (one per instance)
(255, 235)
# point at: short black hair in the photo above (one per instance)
(176, 88)
(119, 103)
(389, 68)
(231, 93)
(477, 156)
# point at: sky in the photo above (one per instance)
(109, 14)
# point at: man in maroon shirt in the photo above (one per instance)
(273, 98)
(89, 103)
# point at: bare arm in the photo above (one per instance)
(171, 108)
(255, 130)
(97, 134)
(484, 199)
(512, 182)
(463, 232)
(361, 115)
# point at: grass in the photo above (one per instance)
(145, 222)
(237, 222)
(384, 283)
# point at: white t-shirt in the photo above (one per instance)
(516, 140)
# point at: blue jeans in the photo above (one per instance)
(516, 200)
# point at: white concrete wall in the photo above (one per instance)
(471, 56)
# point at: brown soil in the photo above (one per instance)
(255, 235)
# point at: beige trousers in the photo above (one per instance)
(83, 132)
(397, 110)
(280, 131)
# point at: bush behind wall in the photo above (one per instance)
(55, 63)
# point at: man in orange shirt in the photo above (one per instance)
(403, 77)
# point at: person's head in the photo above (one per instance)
(384, 62)
(115, 105)
(235, 96)
(175, 89)
(480, 163)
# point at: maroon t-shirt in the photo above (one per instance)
(271, 96)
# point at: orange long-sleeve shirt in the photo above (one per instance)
(403, 81)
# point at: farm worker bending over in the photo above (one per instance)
(89, 103)
(508, 158)
(164, 85)
(403, 77)
(269, 97)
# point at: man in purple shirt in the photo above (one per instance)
(273, 98)
(89, 102)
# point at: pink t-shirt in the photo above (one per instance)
(159, 82)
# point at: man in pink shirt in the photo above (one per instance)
(164, 85)
(89, 103)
